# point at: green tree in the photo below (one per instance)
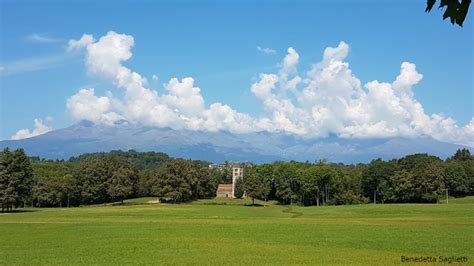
(428, 176)
(147, 179)
(68, 187)
(312, 181)
(16, 178)
(286, 177)
(207, 182)
(239, 189)
(326, 180)
(52, 183)
(120, 185)
(257, 183)
(50, 191)
(455, 178)
(8, 195)
(221, 175)
(94, 174)
(266, 174)
(140, 160)
(375, 179)
(462, 155)
(348, 187)
(176, 181)
(404, 188)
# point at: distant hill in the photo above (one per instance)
(220, 146)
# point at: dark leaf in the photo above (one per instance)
(429, 5)
(451, 11)
(444, 3)
(462, 12)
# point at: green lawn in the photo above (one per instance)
(227, 232)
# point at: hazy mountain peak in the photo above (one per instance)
(86, 136)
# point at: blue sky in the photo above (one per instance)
(216, 44)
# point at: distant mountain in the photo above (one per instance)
(220, 146)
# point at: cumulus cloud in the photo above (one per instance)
(181, 107)
(39, 128)
(327, 99)
(290, 60)
(266, 50)
(85, 40)
(332, 100)
(84, 105)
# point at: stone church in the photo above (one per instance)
(227, 190)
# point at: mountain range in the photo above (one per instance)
(86, 137)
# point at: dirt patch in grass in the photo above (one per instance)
(156, 201)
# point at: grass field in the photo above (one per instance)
(227, 232)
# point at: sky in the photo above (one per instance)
(357, 69)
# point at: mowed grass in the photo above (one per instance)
(227, 232)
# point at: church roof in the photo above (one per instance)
(223, 188)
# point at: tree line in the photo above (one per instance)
(418, 178)
(117, 175)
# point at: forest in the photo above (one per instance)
(114, 176)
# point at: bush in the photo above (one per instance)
(239, 190)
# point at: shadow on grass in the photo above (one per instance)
(213, 203)
(254, 205)
(19, 211)
(126, 204)
(294, 214)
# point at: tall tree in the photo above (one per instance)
(8, 194)
(257, 183)
(49, 192)
(177, 181)
(53, 183)
(428, 176)
(403, 186)
(120, 185)
(455, 178)
(375, 177)
(16, 179)
(68, 187)
(286, 177)
(92, 178)
(314, 180)
(207, 182)
(462, 155)
(347, 187)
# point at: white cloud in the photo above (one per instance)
(266, 50)
(32, 64)
(35, 63)
(181, 107)
(408, 76)
(328, 99)
(154, 77)
(338, 53)
(40, 38)
(288, 69)
(332, 100)
(291, 60)
(40, 128)
(84, 105)
(85, 40)
(184, 97)
(263, 88)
